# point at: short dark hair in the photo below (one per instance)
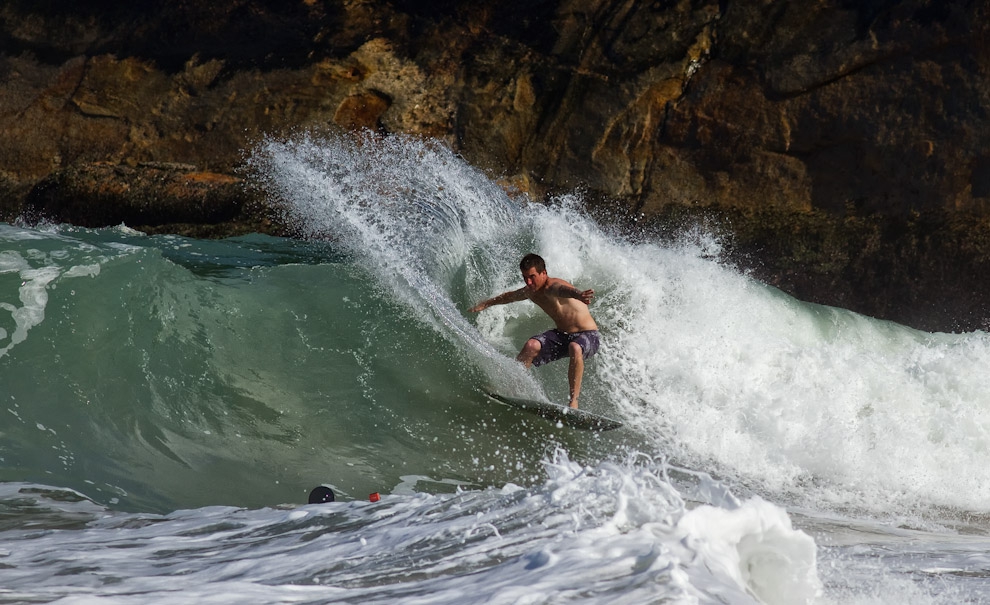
(531, 261)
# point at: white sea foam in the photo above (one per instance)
(757, 547)
(802, 399)
(33, 295)
(83, 271)
(618, 533)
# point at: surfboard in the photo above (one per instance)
(574, 418)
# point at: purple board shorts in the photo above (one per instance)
(553, 344)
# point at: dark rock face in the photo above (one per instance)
(840, 146)
(151, 197)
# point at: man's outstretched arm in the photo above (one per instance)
(502, 299)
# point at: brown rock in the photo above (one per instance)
(147, 195)
(840, 146)
(362, 111)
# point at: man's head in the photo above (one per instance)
(533, 261)
(534, 271)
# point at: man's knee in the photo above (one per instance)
(575, 351)
(529, 351)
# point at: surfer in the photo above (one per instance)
(576, 333)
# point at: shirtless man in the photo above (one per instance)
(576, 334)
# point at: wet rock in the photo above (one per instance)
(362, 111)
(808, 132)
(146, 196)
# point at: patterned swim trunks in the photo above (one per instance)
(553, 344)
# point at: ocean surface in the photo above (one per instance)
(167, 404)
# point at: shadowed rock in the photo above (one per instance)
(787, 125)
(147, 197)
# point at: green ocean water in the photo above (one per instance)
(174, 373)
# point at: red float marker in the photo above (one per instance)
(374, 497)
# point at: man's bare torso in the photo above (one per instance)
(568, 314)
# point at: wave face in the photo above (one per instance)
(148, 383)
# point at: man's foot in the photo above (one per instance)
(573, 404)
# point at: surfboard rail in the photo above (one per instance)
(571, 417)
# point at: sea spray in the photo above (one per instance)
(427, 224)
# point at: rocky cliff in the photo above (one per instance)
(840, 147)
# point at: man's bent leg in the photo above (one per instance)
(529, 352)
(575, 371)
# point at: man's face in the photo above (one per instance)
(534, 279)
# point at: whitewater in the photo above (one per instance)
(168, 403)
